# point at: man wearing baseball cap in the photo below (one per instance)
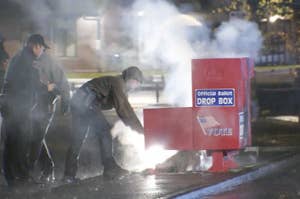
(24, 110)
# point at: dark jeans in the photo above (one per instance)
(15, 162)
(24, 145)
(86, 116)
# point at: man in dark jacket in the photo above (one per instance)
(90, 99)
(25, 112)
(21, 89)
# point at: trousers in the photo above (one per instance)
(87, 116)
(24, 145)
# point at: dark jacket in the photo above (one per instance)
(111, 93)
(22, 85)
(51, 72)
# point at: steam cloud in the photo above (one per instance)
(166, 38)
(38, 11)
(134, 156)
(41, 12)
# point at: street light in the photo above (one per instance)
(274, 18)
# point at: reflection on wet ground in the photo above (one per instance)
(138, 185)
(282, 185)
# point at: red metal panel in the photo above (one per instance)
(218, 131)
(217, 75)
(169, 127)
(221, 122)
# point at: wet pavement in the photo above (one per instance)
(254, 163)
(280, 185)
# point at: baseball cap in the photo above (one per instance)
(133, 72)
(37, 39)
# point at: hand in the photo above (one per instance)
(65, 107)
(51, 87)
(140, 130)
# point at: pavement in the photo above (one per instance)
(254, 162)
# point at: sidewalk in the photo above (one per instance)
(255, 163)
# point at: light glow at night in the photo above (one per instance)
(136, 157)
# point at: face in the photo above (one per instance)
(38, 50)
(132, 84)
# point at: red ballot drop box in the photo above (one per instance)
(219, 119)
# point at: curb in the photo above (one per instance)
(238, 180)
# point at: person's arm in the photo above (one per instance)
(124, 109)
(59, 84)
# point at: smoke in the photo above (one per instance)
(42, 13)
(37, 11)
(71, 24)
(168, 39)
(134, 157)
(161, 41)
(235, 38)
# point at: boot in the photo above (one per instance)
(47, 177)
(112, 171)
